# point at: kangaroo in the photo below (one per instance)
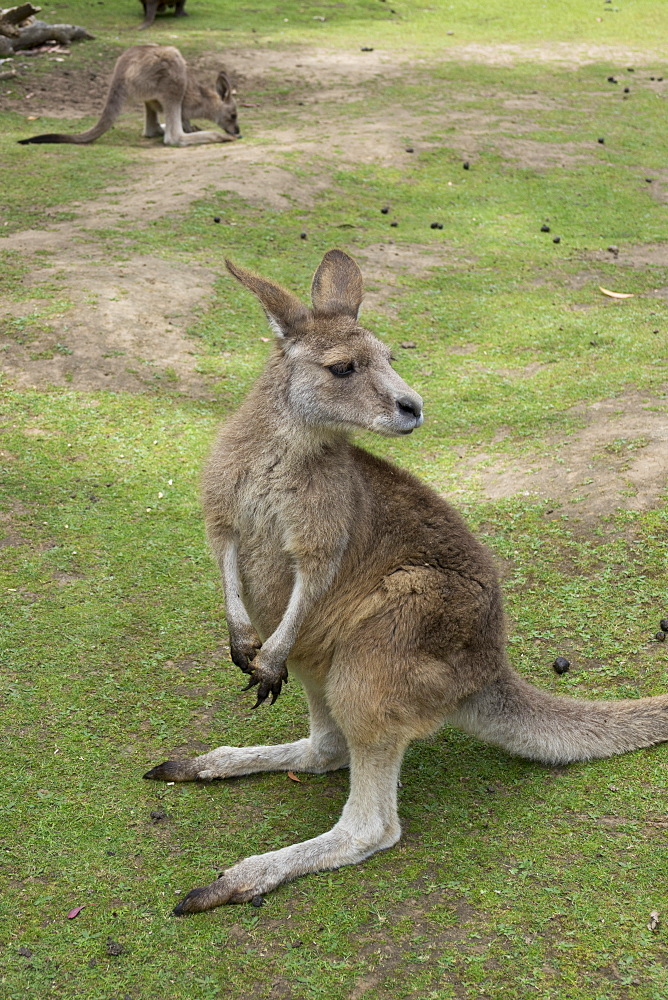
(151, 8)
(366, 585)
(158, 76)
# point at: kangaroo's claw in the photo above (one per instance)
(270, 683)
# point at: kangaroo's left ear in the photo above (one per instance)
(337, 286)
(223, 86)
(287, 316)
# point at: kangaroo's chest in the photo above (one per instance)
(265, 512)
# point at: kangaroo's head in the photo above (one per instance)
(337, 374)
(215, 103)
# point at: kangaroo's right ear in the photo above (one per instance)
(223, 86)
(337, 285)
(286, 314)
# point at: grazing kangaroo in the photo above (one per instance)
(151, 8)
(367, 585)
(158, 76)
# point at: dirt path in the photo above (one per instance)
(127, 321)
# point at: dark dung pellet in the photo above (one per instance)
(561, 665)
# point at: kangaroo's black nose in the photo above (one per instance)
(409, 406)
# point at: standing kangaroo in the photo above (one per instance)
(367, 584)
(159, 76)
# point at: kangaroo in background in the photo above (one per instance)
(159, 76)
(367, 585)
(151, 8)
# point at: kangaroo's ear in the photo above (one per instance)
(337, 285)
(286, 314)
(223, 86)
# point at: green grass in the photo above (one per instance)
(511, 880)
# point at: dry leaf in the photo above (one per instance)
(615, 295)
(74, 913)
(408, 344)
(293, 777)
(653, 924)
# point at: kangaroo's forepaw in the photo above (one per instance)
(215, 894)
(270, 681)
(243, 649)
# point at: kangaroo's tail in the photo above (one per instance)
(110, 112)
(80, 139)
(530, 722)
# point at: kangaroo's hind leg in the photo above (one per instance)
(175, 136)
(325, 749)
(377, 738)
(152, 126)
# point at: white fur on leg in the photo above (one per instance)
(368, 823)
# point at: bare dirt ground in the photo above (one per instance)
(127, 321)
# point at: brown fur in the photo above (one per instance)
(367, 584)
(158, 76)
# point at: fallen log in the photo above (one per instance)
(20, 30)
(11, 18)
(39, 32)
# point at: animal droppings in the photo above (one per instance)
(544, 229)
(366, 48)
(303, 236)
(394, 224)
(601, 140)
(660, 636)
(113, 947)
(216, 218)
(649, 180)
(611, 79)
(664, 621)
(409, 149)
(385, 209)
(614, 250)
(561, 665)
(557, 239)
(466, 165)
(436, 225)
(257, 901)
(627, 90)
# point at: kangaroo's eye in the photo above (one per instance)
(342, 369)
